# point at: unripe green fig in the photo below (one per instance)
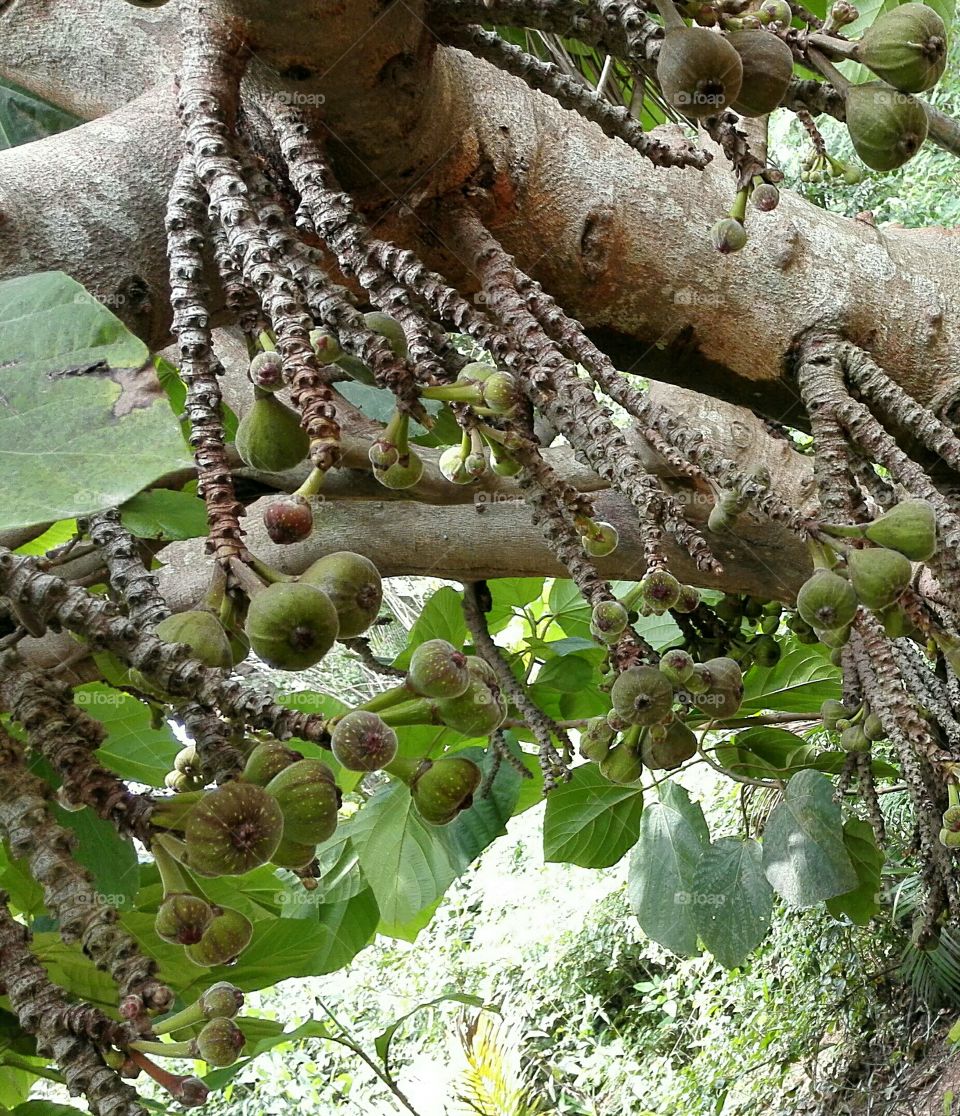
(596, 739)
(270, 437)
(906, 47)
(181, 781)
(293, 854)
(778, 11)
(361, 741)
(659, 591)
(909, 528)
(698, 681)
(677, 665)
(886, 128)
(724, 687)
(453, 466)
(500, 393)
(308, 800)
(266, 760)
(288, 519)
(444, 788)
(833, 637)
(405, 473)
(186, 760)
(325, 345)
(621, 764)
(676, 746)
(878, 575)
(728, 235)
(951, 818)
(352, 582)
(232, 830)
(389, 328)
(222, 1000)
(227, 936)
(182, 918)
(765, 197)
(609, 618)
(476, 371)
(688, 600)
(766, 651)
(641, 695)
(854, 739)
(601, 540)
(438, 670)
(481, 708)
(950, 838)
(220, 1042)
(202, 632)
(266, 371)
(873, 727)
(826, 600)
(291, 625)
(831, 712)
(699, 72)
(767, 64)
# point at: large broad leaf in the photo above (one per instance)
(732, 899)
(804, 856)
(164, 514)
(509, 593)
(83, 423)
(110, 859)
(799, 683)
(133, 748)
(663, 865)
(765, 752)
(590, 821)
(25, 117)
(863, 902)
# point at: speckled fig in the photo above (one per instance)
(232, 830)
(182, 918)
(438, 670)
(227, 936)
(291, 625)
(445, 788)
(361, 741)
(308, 799)
(481, 708)
(641, 695)
(352, 582)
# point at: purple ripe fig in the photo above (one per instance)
(227, 936)
(481, 708)
(438, 670)
(220, 1042)
(266, 370)
(353, 585)
(202, 632)
(182, 918)
(291, 625)
(267, 760)
(641, 695)
(445, 788)
(232, 830)
(361, 741)
(288, 519)
(308, 799)
(765, 197)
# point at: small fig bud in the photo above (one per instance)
(724, 687)
(308, 799)
(291, 625)
(227, 936)
(404, 473)
(222, 1000)
(453, 466)
(950, 838)
(269, 436)
(231, 830)
(182, 918)
(181, 781)
(609, 617)
(266, 760)
(641, 695)
(361, 741)
(596, 739)
(660, 591)
(202, 632)
(445, 788)
(500, 393)
(389, 328)
(831, 712)
(728, 235)
(621, 764)
(383, 455)
(220, 1042)
(480, 708)
(951, 818)
(765, 197)
(438, 670)
(288, 519)
(353, 584)
(826, 600)
(688, 600)
(664, 752)
(186, 760)
(909, 528)
(778, 11)
(325, 345)
(677, 665)
(600, 541)
(266, 371)
(879, 576)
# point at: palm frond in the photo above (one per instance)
(493, 1081)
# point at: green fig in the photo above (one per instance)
(266, 371)
(404, 473)
(481, 708)
(766, 651)
(326, 345)
(308, 799)
(873, 727)
(231, 830)
(659, 591)
(291, 625)
(202, 632)
(886, 128)
(621, 764)
(182, 918)
(950, 838)
(500, 393)
(779, 11)
(270, 437)
(352, 582)
(609, 618)
(389, 328)
(227, 936)
(596, 739)
(854, 739)
(826, 600)
(728, 236)
(438, 670)
(220, 1042)
(724, 688)
(675, 747)
(951, 818)
(688, 600)
(906, 47)
(767, 64)
(293, 854)
(445, 788)
(909, 528)
(677, 665)
(222, 1000)
(699, 72)
(878, 575)
(600, 540)
(642, 695)
(266, 760)
(831, 712)
(361, 741)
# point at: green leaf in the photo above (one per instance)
(382, 1042)
(862, 902)
(25, 117)
(110, 859)
(164, 514)
(509, 593)
(804, 856)
(590, 821)
(441, 618)
(55, 535)
(733, 901)
(799, 683)
(25, 895)
(567, 673)
(662, 872)
(765, 752)
(133, 748)
(81, 428)
(44, 1108)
